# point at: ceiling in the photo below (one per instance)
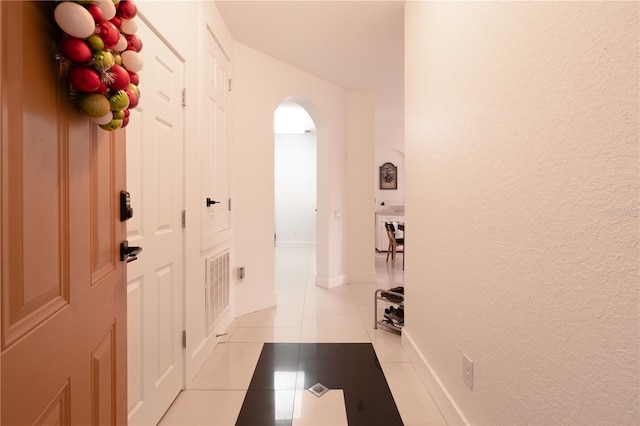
(358, 45)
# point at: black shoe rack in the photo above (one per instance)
(394, 302)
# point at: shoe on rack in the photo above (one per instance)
(392, 309)
(395, 319)
(394, 297)
(395, 315)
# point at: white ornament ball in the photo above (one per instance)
(107, 7)
(132, 60)
(74, 19)
(121, 45)
(129, 26)
(105, 119)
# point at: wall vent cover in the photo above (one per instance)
(216, 287)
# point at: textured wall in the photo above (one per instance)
(522, 207)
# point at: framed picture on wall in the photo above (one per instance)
(388, 176)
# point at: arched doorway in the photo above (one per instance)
(327, 232)
(295, 176)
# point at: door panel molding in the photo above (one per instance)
(104, 245)
(103, 383)
(58, 412)
(34, 187)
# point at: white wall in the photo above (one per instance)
(522, 208)
(295, 190)
(261, 83)
(361, 206)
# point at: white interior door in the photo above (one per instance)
(216, 218)
(155, 288)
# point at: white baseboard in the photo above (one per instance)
(331, 282)
(201, 351)
(256, 303)
(447, 406)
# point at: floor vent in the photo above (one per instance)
(318, 389)
(216, 287)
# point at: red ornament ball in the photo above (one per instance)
(121, 77)
(96, 12)
(117, 21)
(102, 89)
(84, 79)
(133, 97)
(75, 49)
(108, 33)
(127, 9)
(134, 78)
(133, 42)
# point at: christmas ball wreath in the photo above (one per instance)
(101, 55)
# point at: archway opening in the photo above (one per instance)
(295, 176)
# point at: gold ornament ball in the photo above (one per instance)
(94, 105)
(119, 101)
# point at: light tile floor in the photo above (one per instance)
(305, 313)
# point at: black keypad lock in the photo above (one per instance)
(126, 212)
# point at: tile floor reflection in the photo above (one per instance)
(305, 314)
(285, 369)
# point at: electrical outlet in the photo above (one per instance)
(241, 272)
(467, 371)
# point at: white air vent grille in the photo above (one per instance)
(216, 287)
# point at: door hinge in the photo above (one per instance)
(184, 98)
(229, 84)
(184, 339)
(229, 204)
(184, 218)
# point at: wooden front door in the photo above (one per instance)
(63, 284)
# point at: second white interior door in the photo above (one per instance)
(155, 291)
